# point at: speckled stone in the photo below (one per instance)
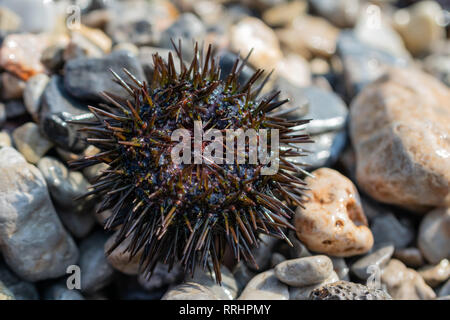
(398, 128)
(333, 221)
(344, 290)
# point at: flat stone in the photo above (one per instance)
(30, 142)
(32, 239)
(265, 286)
(434, 235)
(344, 290)
(403, 283)
(398, 128)
(304, 271)
(386, 228)
(333, 221)
(378, 258)
(86, 78)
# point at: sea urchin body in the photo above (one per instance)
(190, 212)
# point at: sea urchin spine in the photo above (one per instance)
(189, 213)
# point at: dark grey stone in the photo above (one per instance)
(86, 78)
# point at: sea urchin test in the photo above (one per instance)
(188, 212)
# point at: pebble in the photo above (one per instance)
(22, 290)
(80, 47)
(297, 105)
(86, 78)
(96, 271)
(420, 25)
(119, 259)
(445, 289)
(227, 290)
(53, 57)
(30, 142)
(341, 268)
(20, 54)
(333, 221)
(189, 291)
(59, 291)
(310, 36)
(303, 293)
(35, 15)
(78, 222)
(265, 286)
(398, 128)
(380, 34)
(188, 28)
(12, 86)
(262, 253)
(304, 271)
(5, 293)
(64, 185)
(32, 94)
(325, 150)
(412, 257)
(58, 106)
(344, 290)
(161, 277)
(295, 69)
(362, 63)
(403, 283)
(378, 258)
(242, 274)
(126, 46)
(251, 33)
(15, 109)
(342, 13)
(439, 66)
(435, 275)
(284, 13)
(9, 20)
(226, 63)
(32, 239)
(326, 109)
(5, 139)
(386, 228)
(434, 236)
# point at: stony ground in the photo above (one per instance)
(373, 76)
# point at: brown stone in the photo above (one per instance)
(333, 221)
(400, 131)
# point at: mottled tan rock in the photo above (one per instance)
(333, 221)
(5, 139)
(265, 286)
(309, 36)
(21, 54)
(119, 258)
(400, 132)
(435, 275)
(420, 25)
(295, 69)
(252, 33)
(403, 283)
(96, 37)
(284, 13)
(434, 235)
(30, 142)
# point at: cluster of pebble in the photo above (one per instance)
(373, 75)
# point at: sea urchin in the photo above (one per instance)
(190, 212)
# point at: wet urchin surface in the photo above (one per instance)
(190, 212)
